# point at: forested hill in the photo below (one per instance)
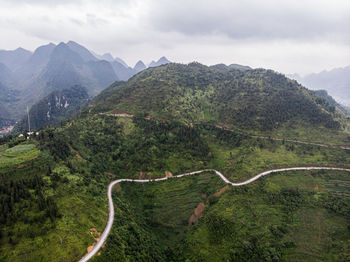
(253, 99)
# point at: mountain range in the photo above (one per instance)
(335, 81)
(174, 119)
(33, 75)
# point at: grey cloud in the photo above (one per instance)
(250, 19)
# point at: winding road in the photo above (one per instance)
(109, 225)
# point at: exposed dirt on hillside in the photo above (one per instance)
(168, 174)
(118, 187)
(96, 235)
(222, 190)
(198, 211)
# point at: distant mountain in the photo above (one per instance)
(15, 58)
(139, 66)
(122, 72)
(66, 68)
(32, 76)
(252, 99)
(108, 57)
(162, 61)
(121, 61)
(57, 106)
(83, 52)
(7, 98)
(336, 82)
(330, 100)
(6, 76)
(224, 67)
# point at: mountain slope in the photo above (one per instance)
(139, 66)
(83, 52)
(122, 72)
(254, 99)
(13, 59)
(336, 82)
(57, 106)
(162, 61)
(330, 100)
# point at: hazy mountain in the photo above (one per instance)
(139, 66)
(121, 61)
(83, 52)
(107, 56)
(13, 59)
(231, 67)
(162, 61)
(7, 98)
(331, 101)
(35, 63)
(55, 107)
(56, 67)
(336, 82)
(6, 76)
(67, 68)
(122, 72)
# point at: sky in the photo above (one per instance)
(288, 36)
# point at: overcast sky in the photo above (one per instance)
(289, 36)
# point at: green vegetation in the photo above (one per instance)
(17, 154)
(253, 100)
(53, 185)
(283, 217)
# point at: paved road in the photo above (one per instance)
(113, 183)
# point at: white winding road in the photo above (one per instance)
(108, 227)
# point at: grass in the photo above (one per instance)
(306, 132)
(254, 156)
(17, 154)
(240, 217)
(69, 238)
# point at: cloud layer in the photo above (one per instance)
(288, 36)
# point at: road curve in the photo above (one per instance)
(108, 227)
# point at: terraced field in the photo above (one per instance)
(17, 154)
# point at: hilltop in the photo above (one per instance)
(256, 99)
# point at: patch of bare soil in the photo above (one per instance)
(118, 187)
(198, 211)
(96, 235)
(111, 175)
(168, 174)
(316, 188)
(76, 153)
(149, 176)
(118, 112)
(222, 190)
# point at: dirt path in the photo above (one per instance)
(283, 139)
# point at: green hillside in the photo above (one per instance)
(253, 99)
(53, 185)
